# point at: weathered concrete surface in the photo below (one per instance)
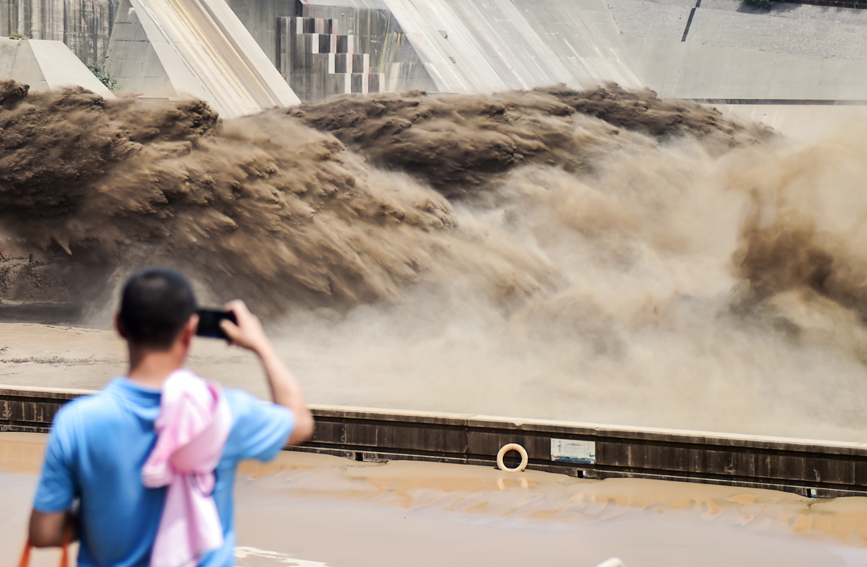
(83, 25)
(260, 19)
(46, 65)
(487, 46)
(797, 29)
(817, 468)
(697, 71)
(195, 48)
(722, 51)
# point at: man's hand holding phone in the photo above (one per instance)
(246, 330)
(209, 323)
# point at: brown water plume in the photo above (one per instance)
(262, 207)
(600, 255)
(284, 212)
(458, 143)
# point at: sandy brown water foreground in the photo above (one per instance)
(326, 510)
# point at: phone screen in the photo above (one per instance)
(209, 323)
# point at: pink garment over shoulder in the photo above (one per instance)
(192, 428)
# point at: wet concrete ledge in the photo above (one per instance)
(807, 467)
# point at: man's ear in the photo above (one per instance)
(118, 325)
(190, 329)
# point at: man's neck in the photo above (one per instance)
(151, 368)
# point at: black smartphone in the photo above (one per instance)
(209, 323)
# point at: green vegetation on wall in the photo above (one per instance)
(104, 77)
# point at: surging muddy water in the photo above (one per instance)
(595, 256)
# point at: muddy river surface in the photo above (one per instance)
(308, 510)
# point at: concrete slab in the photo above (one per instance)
(196, 48)
(807, 37)
(795, 77)
(698, 71)
(792, 12)
(476, 46)
(584, 35)
(645, 18)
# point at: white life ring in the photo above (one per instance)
(512, 447)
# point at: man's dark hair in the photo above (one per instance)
(154, 306)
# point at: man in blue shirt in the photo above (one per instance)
(98, 444)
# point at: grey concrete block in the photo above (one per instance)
(360, 62)
(342, 63)
(376, 82)
(345, 44)
(360, 83)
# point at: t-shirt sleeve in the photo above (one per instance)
(259, 429)
(56, 490)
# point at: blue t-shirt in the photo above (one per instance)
(96, 450)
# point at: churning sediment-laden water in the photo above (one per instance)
(594, 256)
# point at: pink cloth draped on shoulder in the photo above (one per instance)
(192, 428)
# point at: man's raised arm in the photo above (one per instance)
(285, 391)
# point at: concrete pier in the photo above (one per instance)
(46, 65)
(195, 48)
(806, 467)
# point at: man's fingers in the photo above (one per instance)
(232, 330)
(247, 330)
(236, 306)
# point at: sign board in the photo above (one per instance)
(572, 451)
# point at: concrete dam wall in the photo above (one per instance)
(342, 46)
(719, 51)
